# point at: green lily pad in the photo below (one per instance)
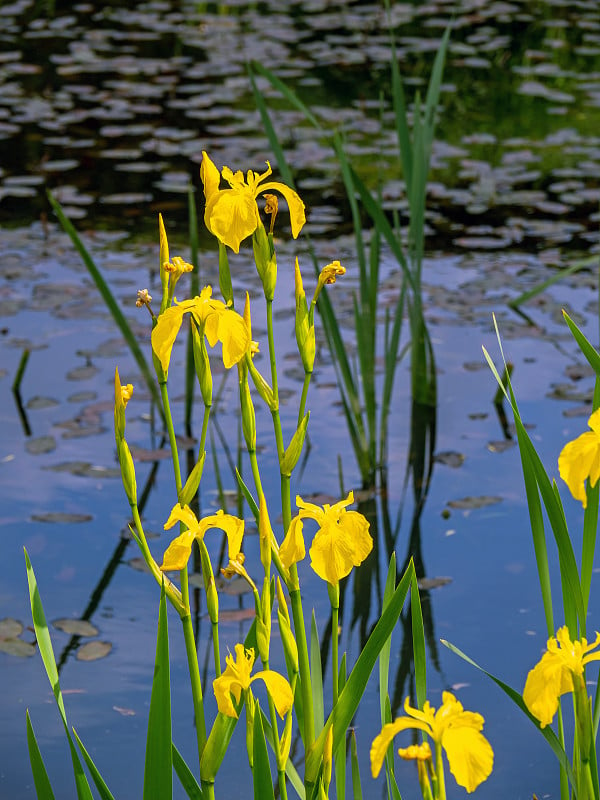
(76, 627)
(92, 651)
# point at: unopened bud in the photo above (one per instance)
(202, 365)
(225, 275)
(266, 535)
(293, 450)
(305, 329)
(327, 758)
(264, 258)
(127, 471)
(247, 408)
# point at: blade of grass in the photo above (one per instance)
(158, 771)
(111, 303)
(316, 675)
(44, 643)
(384, 655)
(186, 777)
(356, 787)
(43, 788)
(558, 276)
(261, 770)
(99, 782)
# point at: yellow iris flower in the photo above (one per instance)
(559, 671)
(236, 679)
(178, 552)
(580, 459)
(218, 322)
(342, 541)
(232, 214)
(469, 753)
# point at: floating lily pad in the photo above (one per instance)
(76, 627)
(17, 647)
(92, 651)
(10, 628)
(467, 503)
(61, 517)
(41, 444)
(450, 458)
(39, 402)
(432, 583)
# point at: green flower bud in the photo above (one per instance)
(305, 329)
(265, 260)
(293, 450)
(127, 471)
(202, 365)
(225, 275)
(247, 407)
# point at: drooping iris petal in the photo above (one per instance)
(382, 741)
(292, 548)
(178, 553)
(278, 688)
(295, 204)
(580, 460)
(332, 553)
(470, 755)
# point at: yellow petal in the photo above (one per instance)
(292, 548)
(309, 510)
(546, 682)
(210, 177)
(232, 215)
(470, 755)
(356, 528)
(234, 335)
(415, 752)
(594, 421)
(234, 679)
(181, 514)
(332, 553)
(165, 332)
(178, 552)
(295, 205)
(382, 741)
(233, 527)
(278, 688)
(579, 460)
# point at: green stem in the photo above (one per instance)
(205, 419)
(282, 785)
(192, 657)
(171, 432)
(307, 377)
(171, 590)
(334, 650)
(271, 338)
(303, 662)
(439, 770)
(216, 648)
(208, 790)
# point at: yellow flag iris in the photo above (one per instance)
(559, 671)
(342, 541)
(219, 323)
(236, 679)
(178, 552)
(469, 753)
(580, 459)
(232, 214)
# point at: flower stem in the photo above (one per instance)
(334, 652)
(440, 793)
(306, 384)
(303, 663)
(192, 657)
(171, 433)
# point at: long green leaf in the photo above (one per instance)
(557, 276)
(158, 770)
(356, 787)
(99, 782)
(316, 676)
(45, 647)
(546, 732)
(186, 776)
(384, 655)
(261, 769)
(110, 301)
(43, 789)
(341, 715)
(290, 95)
(290, 769)
(588, 350)
(418, 637)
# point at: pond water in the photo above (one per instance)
(111, 108)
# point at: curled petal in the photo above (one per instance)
(382, 741)
(182, 514)
(232, 526)
(278, 688)
(356, 527)
(470, 755)
(165, 332)
(235, 337)
(292, 548)
(210, 177)
(295, 205)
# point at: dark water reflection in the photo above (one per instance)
(111, 107)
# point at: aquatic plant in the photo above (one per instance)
(340, 544)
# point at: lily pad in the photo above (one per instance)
(432, 583)
(60, 517)
(17, 647)
(468, 503)
(92, 651)
(450, 458)
(41, 444)
(76, 627)
(10, 628)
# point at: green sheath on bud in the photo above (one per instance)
(265, 260)
(262, 387)
(266, 535)
(225, 275)
(202, 365)
(247, 407)
(292, 453)
(305, 329)
(127, 471)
